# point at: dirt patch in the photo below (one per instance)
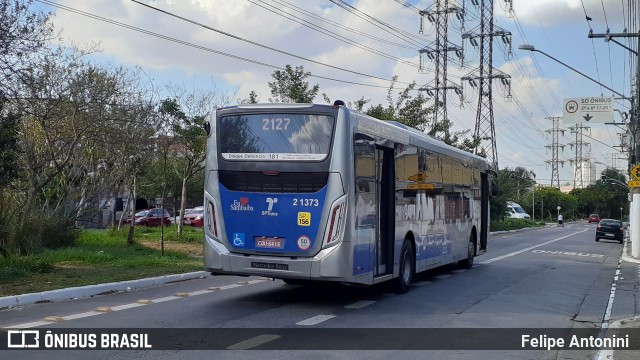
(186, 248)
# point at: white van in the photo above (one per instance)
(515, 211)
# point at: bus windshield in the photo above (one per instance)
(275, 137)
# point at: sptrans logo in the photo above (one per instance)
(242, 205)
(270, 203)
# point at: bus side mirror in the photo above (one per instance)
(207, 127)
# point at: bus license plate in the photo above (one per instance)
(269, 266)
(269, 243)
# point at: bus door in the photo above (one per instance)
(385, 199)
(484, 211)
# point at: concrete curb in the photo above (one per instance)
(626, 251)
(91, 290)
(518, 230)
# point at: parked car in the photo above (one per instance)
(150, 217)
(194, 217)
(515, 211)
(594, 218)
(610, 229)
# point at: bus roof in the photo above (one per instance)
(408, 134)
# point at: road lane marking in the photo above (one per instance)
(458, 271)
(126, 306)
(315, 320)
(166, 298)
(608, 354)
(530, 248)
(81, 315)
(569, 253)
(359, 304)
(420, 283)
(232, 286)
(200, 292)
(253, 342)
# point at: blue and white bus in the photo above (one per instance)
(314, 192)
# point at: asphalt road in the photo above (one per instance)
(543, 278)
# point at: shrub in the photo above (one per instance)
(42, 231)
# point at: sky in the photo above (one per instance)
(234, 46)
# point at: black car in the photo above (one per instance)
(610, 229)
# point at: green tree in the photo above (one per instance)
(23, 33)
(185, 114)
(9, 167)
(290, 85)
(416, 111)
(252, 99)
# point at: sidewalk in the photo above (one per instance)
(627, 283)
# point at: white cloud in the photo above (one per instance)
(559, 12)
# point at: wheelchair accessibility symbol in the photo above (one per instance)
(238, 239)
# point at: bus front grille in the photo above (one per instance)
(289, 182)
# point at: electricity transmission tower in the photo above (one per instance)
(438, 14)
(482, 37)
(578, 178)
(555, 131)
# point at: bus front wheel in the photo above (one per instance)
(407, 268)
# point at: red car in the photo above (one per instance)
(151, 217)
(594, 218)
(194, 217)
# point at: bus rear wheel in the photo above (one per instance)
(471, 253)
(407, 269)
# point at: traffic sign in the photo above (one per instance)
(587, 110)
(419, 177)
(421, 186)
(635, 172)
(634, 184)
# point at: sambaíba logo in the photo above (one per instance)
(242, 205)
(269, 212)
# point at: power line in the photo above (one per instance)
(186, 43)
(338, 25)
(255, 43)
(404, 35)
(593, 45)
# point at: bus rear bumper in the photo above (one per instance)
(325, 266)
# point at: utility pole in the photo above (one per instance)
(482, 78)
(634, 128)
(555, 146)
(438, 14)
